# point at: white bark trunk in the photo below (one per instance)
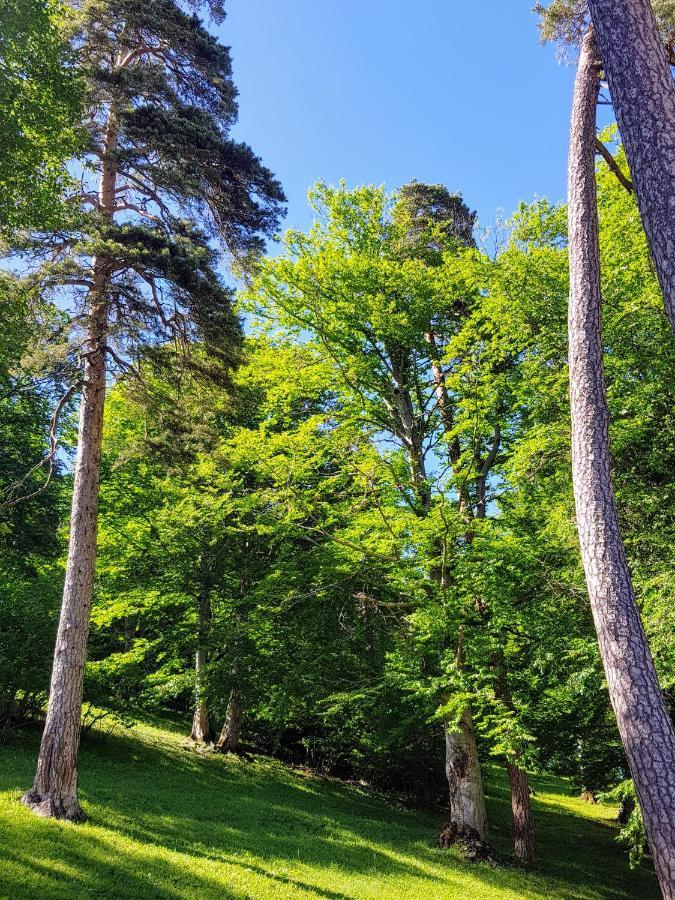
(468, 816)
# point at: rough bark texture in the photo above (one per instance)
(521, 810)
(228, 742)
(644, 725)
(468, 816)
(643, 94)
(54, 791)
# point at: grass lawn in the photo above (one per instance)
(166, 821)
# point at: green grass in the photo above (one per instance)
(169, 822)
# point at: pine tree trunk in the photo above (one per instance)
(228, 742)
(521, 811)
(644, 725)
(54, 791)
(643, 95)
(468, 816)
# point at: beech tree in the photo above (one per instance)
(386, 287)
(644, 724)
(161, 179)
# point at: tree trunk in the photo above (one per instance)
(54, 791)
(636, 66)
(522, 819)
(521, 810)
(229, 736)
(468, 816)
(201, 728)
(644, 725)
(446, 412)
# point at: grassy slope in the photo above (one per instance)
(169, 822)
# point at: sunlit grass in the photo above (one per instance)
(166, 821)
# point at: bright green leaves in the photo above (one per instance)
(39, 106)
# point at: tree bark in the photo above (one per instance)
(524, 844)
(201, 727)
(468, 816)
(228, 742)
(636, 66)
(522, 819)
(54, 791)
(644, 725)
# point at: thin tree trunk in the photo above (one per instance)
(446, 412)
(524, 844)
(201, 728)
(644, 725)
(228, 742)
(522, 818)
(468, 816)
(54, 791)
(636, 65)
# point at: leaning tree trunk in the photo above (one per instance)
(643, 95)
(645, 728)
(54, 791)
(468, 816)
(228, 742)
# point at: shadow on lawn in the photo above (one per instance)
(174, 803)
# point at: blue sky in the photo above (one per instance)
(447, 91)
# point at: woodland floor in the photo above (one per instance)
(169, 822)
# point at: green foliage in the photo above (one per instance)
(565, 21)
(632, 834)
(31, 506)
(39, 107)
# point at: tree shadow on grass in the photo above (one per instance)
(573, 848)
(170, 822)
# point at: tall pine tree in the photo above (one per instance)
(161, 185)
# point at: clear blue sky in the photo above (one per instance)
(451, 91)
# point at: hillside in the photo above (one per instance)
(169, 822)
